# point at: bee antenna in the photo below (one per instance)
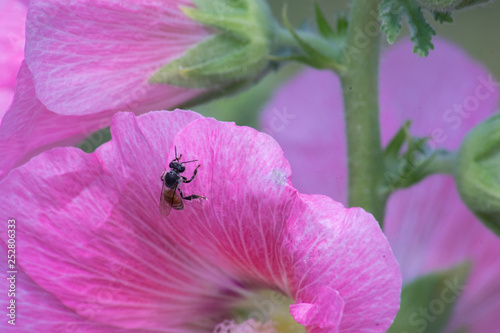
(190, 161)
(175, 152)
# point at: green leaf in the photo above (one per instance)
(235, 23)
(467, 3)
(418, 169)
(188, 71)
(443, 17)
(427, 303)
(220, 6)
(213, 62)
(342, 24)
(391, 12)
(406, 168)
(323, 26)
(421, 32)
(314, 58)
(398, 140)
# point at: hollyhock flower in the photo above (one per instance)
(428, 226)
(12, 20)
(102, 53)
(86, 60)
(96, 254)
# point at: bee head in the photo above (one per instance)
(177, 166)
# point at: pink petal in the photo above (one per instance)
(424, 235)
(92, 56)
(337, 238)
(29, 128)
(131, 275)
(237, 232)
(325, 312)
(357, 270)
(96, 240)
(36, 310)
(12, 20)
(6, 96)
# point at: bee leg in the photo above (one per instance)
(185, 180)
(162, 177)
(190, 197)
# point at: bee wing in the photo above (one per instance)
(176, 202)
(165, 201)
(169, 199)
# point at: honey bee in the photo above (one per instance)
(171, 180)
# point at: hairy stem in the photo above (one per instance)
(360, 91)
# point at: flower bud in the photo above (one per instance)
(478, 172)
(238, 51)
(449, 5)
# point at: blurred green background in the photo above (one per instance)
(477, 30)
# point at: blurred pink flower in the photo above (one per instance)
(86, 60)
(95, 255)
(428, 226)
(12, 20)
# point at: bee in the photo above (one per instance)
(171, 180)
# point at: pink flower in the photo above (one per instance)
(96, 255)
(428, 226)
(86, 60)
(12, 20)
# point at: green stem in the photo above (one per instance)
(330, 48)
(360, 91)
(443, 162)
